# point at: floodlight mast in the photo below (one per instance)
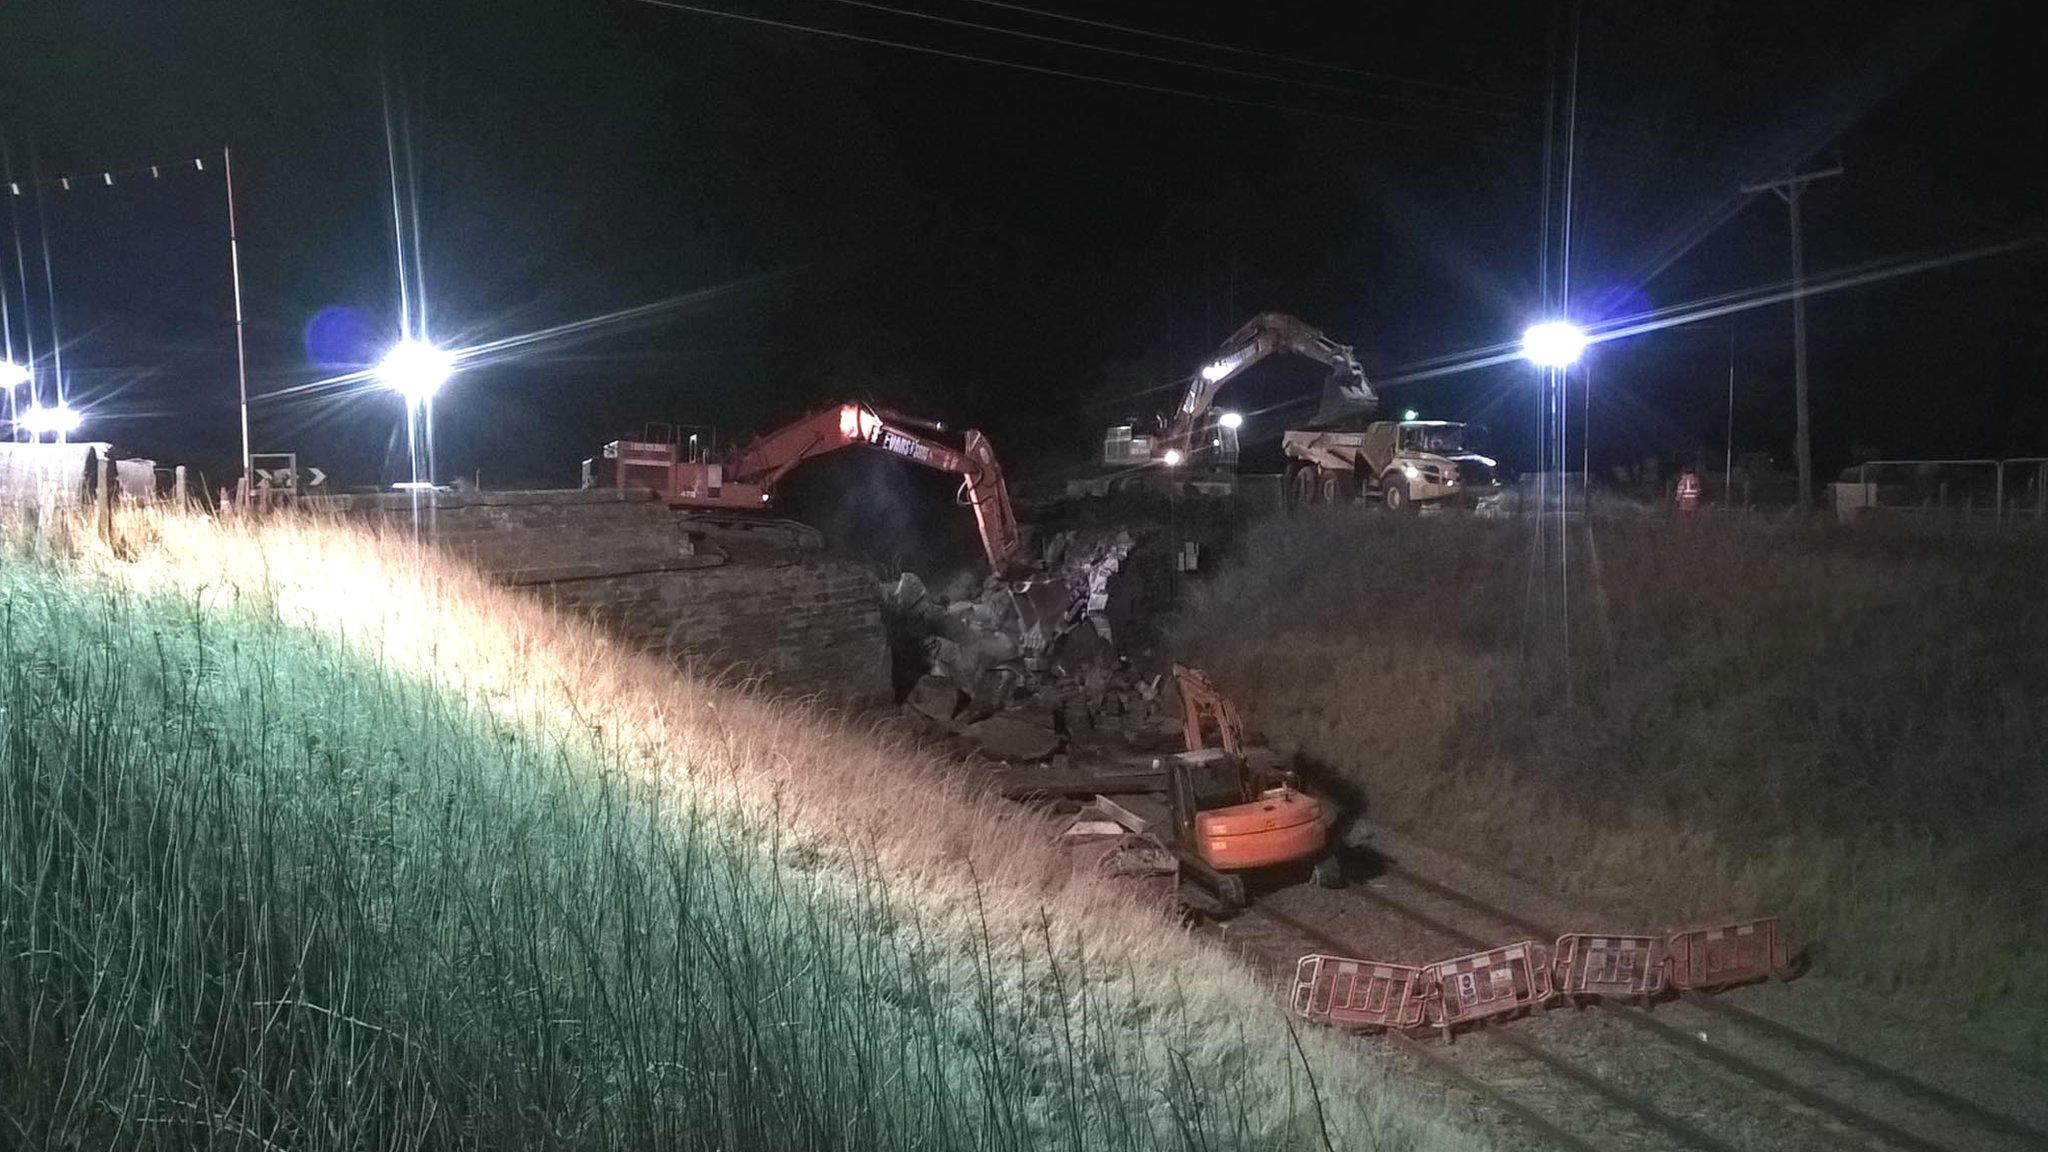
(1554, 343)
(13, 376)
(60, 421)
(416, 369)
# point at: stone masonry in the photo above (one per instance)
(765, 605)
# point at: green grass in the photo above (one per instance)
(1848, 727)
(269, 884)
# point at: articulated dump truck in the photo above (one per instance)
(1401, 464)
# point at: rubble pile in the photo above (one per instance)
(1025, 665)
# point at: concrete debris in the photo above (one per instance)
(936, 697)
(1009, 737)
(1139, 854)
(1036, 654)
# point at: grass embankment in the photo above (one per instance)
(1849, 727)
(308, 843)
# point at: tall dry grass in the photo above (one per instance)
(308, 840)
(1846, 726)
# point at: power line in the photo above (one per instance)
(1036, 69)
(1132, 54)
(1252, 52)
(103, 177)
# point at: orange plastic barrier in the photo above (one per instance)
(1359, 993)
(1586, 964)
(1730, 953)
(1489, 983)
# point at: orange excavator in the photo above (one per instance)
(744, 480)
(1234, 820)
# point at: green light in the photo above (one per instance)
(1410, 414)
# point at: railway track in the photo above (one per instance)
(1777, 1086)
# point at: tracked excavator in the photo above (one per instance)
(1229, 819)
(1194, 441)
(742, 481)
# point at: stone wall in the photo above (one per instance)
(810, 627)
(764, 603)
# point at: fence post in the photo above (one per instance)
(178, 487)
(104, 499)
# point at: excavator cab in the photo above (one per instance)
(1228, 819)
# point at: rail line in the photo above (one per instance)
(1688, 1133)
(1792, 1037)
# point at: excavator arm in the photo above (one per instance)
(747, 479)
(982, 487)
(1262, 336)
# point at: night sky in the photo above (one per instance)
(1011, 249)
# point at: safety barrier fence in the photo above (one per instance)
(1529, 974)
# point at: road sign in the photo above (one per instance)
(281, 473)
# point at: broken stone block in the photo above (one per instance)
(989, 691)
(1075, 720)
(936, 697)
(1006, 737)
(905, 595)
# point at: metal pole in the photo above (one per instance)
(1728, 452)
(1586, 435)
(7, 357)
(28, 326)
(49, 286)
(241, 349)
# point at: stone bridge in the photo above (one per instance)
(764, 602)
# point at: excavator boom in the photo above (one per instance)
(1261, 336)
(745, 480)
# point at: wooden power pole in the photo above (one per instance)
(1789, 189)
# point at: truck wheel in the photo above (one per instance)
(1336, 486)
(1302, 489)
(1395, 495)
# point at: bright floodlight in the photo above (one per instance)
(1172, 457)
(1410, 414)
(12, 375)
(1214, 372)
(61, 420)
(415, 369)
(1231, 420)
(1553, 343)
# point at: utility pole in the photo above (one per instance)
(1789, 189)
(227, 163)
(1728, 440)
